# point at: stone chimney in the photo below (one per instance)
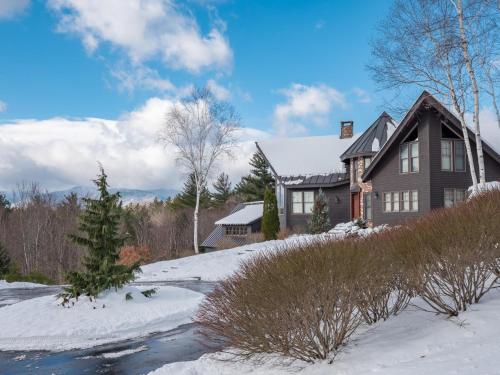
(346, 129)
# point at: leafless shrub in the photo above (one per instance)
(299, 303)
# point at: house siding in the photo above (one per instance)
(388, 178)
(339, 212)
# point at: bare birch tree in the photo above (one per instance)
(202, 130)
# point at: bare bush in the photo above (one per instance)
(299, 303)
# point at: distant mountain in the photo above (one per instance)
(129, 196)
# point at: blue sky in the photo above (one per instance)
(88, 80)
(45, 72)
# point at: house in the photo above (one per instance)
(236, 228)
(386, 175)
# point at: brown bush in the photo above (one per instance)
(129, 255)
(297, 302)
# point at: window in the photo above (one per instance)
(404, 201)
(302, 202)
(453, 196)
(368, 206)
(236, 230)
(452, 155)
(409, 157)
(356, 170)
(368, 161)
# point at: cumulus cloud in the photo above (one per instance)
(304, 106)
(12, 8)
(490, 129)
(3, 106)
(145, 30)
(60, 152)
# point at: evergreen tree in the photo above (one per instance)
(99, 233)
(187, 197)
(222, 189)
(4, 261)
(270, 219)
(320, 220)
(4, 202)
(253, 186)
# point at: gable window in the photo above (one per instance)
(368, 206)
(402, 201)
(302, 202)
(453, 197)
(409, 157)
(452, 155)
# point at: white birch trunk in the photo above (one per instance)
(195, 219)
(475, 92)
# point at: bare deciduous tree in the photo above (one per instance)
(202, 130)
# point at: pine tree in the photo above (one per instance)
(222, 189)
(4, 261)
(253, 186)
(4, 202)
(270, 219)
(187, 197)
(320, 220)
(99, 233)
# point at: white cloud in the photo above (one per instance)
(362, 95)
(305, 106)
(12, 8)
(490, 129)
(3, 106)
(219, 91)
(60, 152)
(145, 30)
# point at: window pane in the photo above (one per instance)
(404, 158)
(297, 208)
(448, 197)
(414, 150)
(368, 161)
(446, 155)
(459, 156)
(387, 202)
(414, 164)
(395, 202)
(368, 206)
(406, 201)
(308, 197)
(308, 207)
(459, 195)
(297, 196)
(414, 200)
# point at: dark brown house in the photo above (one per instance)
(390, 173)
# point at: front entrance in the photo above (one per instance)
(355, 206)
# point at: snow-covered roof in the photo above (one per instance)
(246, 215)
(306, 155)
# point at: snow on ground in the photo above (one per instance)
(415, 342)
(16, 284)
(43, 324)
(219, 264)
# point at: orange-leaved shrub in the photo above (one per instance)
(130, 255)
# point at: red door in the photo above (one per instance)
(355, 208)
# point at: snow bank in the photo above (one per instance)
(43, 324)
(415, 342)
(16, 284)
(483, 188)
(220, 264)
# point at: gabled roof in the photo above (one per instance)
(247, 214)
(213, 238)
(370, 142)
(305, 156)
(332, 179)
(424, 99)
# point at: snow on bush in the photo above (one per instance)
(44, 324)
(474, 191)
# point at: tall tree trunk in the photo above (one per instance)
(475, 91)
(195, 218)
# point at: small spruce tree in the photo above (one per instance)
(187, 197)
(4, 202)
(99, 232)
(4, 261)
(320, 220)
(222, 190)
(270, 219)
(253, 186)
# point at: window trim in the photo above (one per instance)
(303, 202)
(400, 200)
(230, 230)
(409, 157)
